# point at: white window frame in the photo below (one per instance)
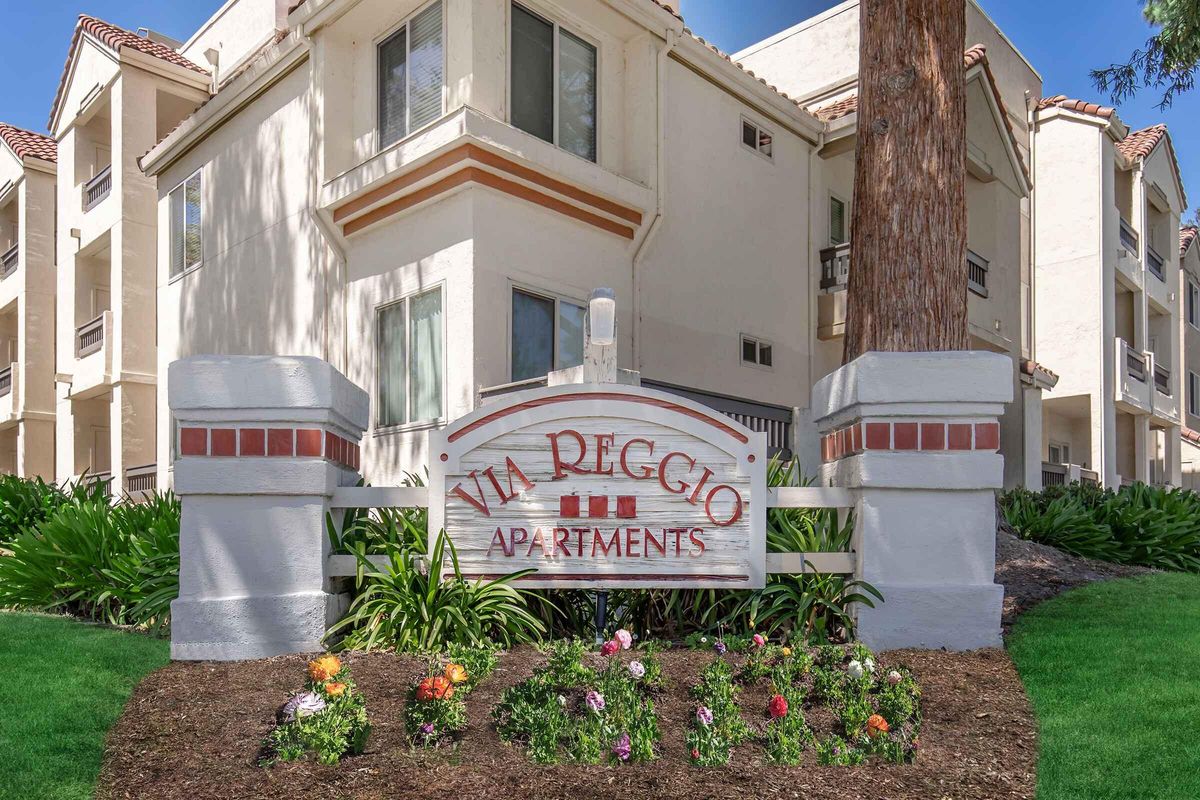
(758, 131)
(558, 298)
(377, 395)
(576, 29)
(375, 44)
(1064, 452)
(1190, 304)
(199, 173)
(1193, 394)
(845, 219)
(759, 344)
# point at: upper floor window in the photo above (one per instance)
(547, 334)
(758, 139)
(410, 333)
(1193, 394)
(553, 83)
(411, 76)
(837, 221)
(1193, 304)
(756, 351)
(185, 208)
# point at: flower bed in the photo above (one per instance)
(328, 720)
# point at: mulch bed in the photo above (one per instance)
(193, 731)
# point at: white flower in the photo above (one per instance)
(893, 678)
(304, 704)
(637, 669)
(625, 638)
(854, 670)
(870, 665)
(562, 701)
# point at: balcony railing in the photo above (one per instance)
(1129, 237)
(97, 188)
(1155, 263)
(89, 337)
(8, 261)
(977, 272)
(1162, 380)
(835, 266)
(1066, 474)
(1135, 363)
(6, 381)
(141, 480)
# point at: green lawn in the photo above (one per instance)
(64, 685)
(1113, 670)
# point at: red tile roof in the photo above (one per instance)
(1082, 106)
(27, 144)
(1187, 235)
(1139, 144)
(116, 39)
(1189, 434)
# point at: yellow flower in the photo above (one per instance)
(455, 673)
(324, 668)
(335, 689)
(787, 651)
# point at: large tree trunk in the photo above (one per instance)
(908, 280)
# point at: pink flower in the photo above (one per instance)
(704, 716)
(695, 754)
(758, 640)
(622, 748)
(625, 638)
(610, 648)
(595, 701)
(778, 707)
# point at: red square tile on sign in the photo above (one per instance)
(905, 434)
(959, 436)
(193, 442)
(568, 506)
(598, 506)
(279, 442)
(224, 442)
(987, 436)
(879, 436)
(933, 436)
(253, 441)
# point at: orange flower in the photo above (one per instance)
(876, 725)
(324, 668)
(334, 689)
(438, 688)
(455, 673)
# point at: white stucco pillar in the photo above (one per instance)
(1032, 448)
(263, 443)
(917, 436)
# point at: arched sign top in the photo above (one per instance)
(602, 485)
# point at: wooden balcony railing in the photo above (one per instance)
(97, 188)
(6, 381)
(1162, 379)
(835, 266)
(141, 480)
(8, 261)
(1154, 262)
(1053, 474)
(1135, 363)
(89, 337)
(1129, 237)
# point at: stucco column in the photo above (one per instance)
(917, 435)
(1032, 445)
(263, 444)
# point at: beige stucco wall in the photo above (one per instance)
(236, 31)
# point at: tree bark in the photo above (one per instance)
(908, 280)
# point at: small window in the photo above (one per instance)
(411, 65)
(756, 351)
(1193, 395)
(1193, 304)
(1060, 453)
(547, 334)
(758, 139)
(837, 221)
(185, 207)
(409, 335)
(553, 75)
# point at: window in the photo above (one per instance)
(756, 351)
(757, 139)
(1193, 304)
(547, 334)
(410, 359)
(553, 84)
(411, 66)
(1060, 453)
(1193, 394)
(185, 206)
(837, 221)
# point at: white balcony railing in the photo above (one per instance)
(6, 381)
(1129, 237)
(1155, 263)
(89, 337)
(97, 188)
(8, 261)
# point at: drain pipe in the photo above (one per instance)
(660, 195)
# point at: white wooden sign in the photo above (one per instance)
(602, 486)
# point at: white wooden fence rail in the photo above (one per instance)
(341, 566)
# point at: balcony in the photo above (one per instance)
(1067, 474)
(835, 267)
(977, 272)
(8, 393)
(141, 482)
(93, 354)
(98, 188)
(1129, 237)
(89, 337)
(1166, 404)
(1131, 378)
(1154, 262)
(8, 261)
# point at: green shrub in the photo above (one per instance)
(328, 720)
(26, 503)
(113, 564)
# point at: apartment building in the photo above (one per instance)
(817, 62)
(28, 166)
(1189, 344)
(1107, 213)
(120, 93)
(424, 193)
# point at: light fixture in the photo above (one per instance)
(602, 317)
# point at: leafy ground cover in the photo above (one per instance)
(68, 684)
(1109, 670)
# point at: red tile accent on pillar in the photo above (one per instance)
(959, 436)
(193, 441)
(329, 442)
(279, 442)
(987, 436)
(355, 455)
(253, 441)
(826, 449)
(598, 506)
(905, 434)
(879, 436)
(856, 439)
(308, 442)
(224, 442)
(568, 506)
(933, 436)
(627, 507)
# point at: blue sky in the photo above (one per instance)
(1063, 39)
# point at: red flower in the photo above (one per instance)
(778, 707)
(434, 689)
(610, 648)
(695, 754)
